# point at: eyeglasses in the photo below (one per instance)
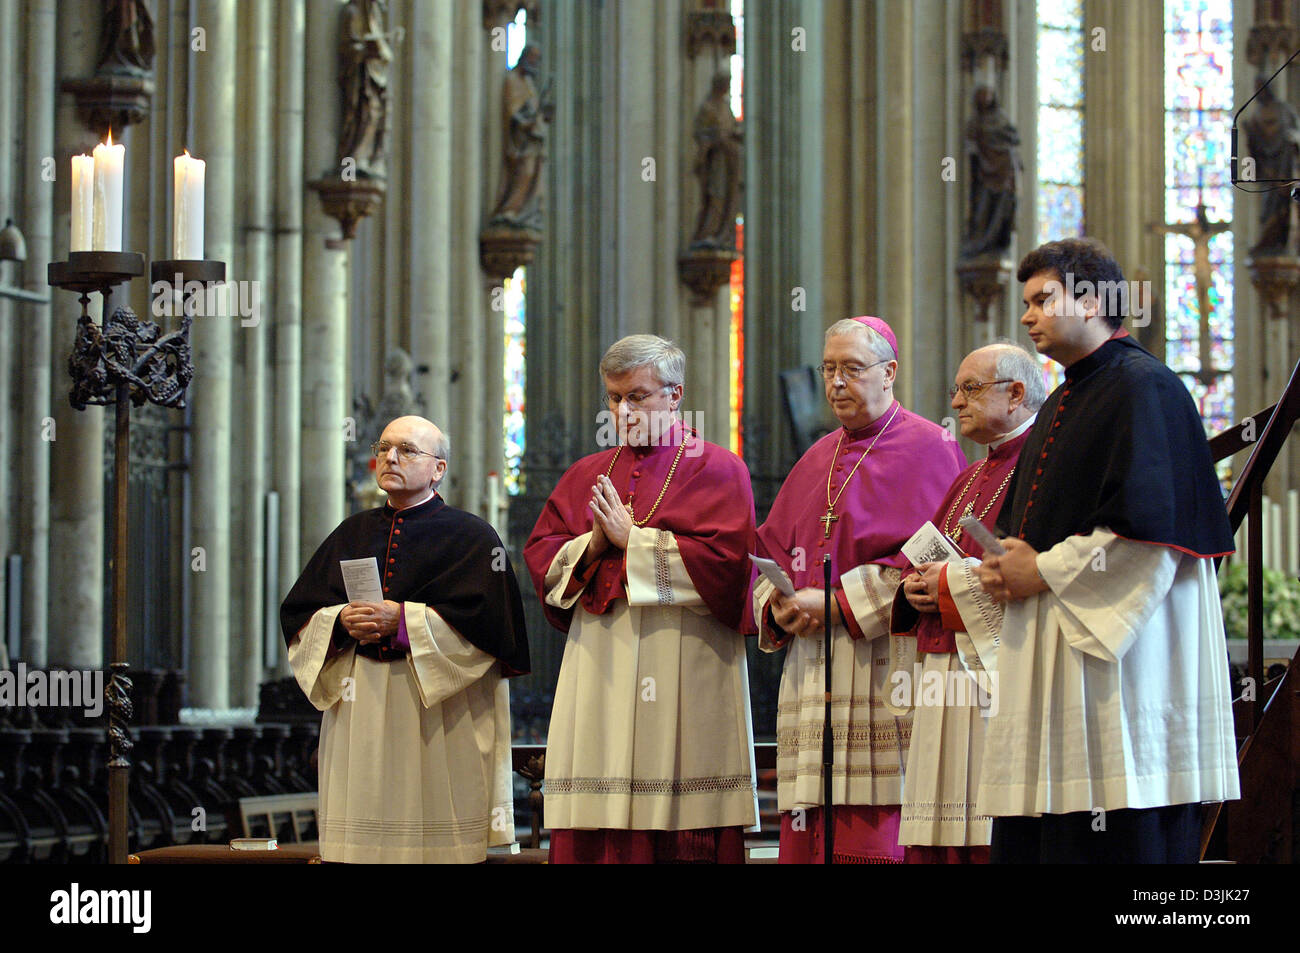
(404, 450)
(636, 399)
(850, 372)
(972, 389)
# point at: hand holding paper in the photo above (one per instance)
(774, 574)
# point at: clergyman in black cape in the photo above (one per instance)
(411, 676)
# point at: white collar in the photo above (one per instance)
(993, 445)
(432, 491)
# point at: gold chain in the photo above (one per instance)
(662, 490)
(952, 529)
(830, 504)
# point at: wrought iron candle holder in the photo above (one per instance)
(121, 361)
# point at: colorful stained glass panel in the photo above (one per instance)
(515, 288)
(1198, 106)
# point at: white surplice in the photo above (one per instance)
(869, 740)
(414, 753)
(942, 781)
(651, 728)
(1113, 687)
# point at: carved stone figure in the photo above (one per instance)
(1272, 130)
(718, 164)
(126, 44)
(364, 58)
(526, 115)
(995, 166)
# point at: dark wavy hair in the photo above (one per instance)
(1086, 259)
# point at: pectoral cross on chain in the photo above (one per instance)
(828, 519)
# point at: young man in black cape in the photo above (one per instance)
(1115, 718)
(415, 739)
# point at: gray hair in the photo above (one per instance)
(876, 342)
(442, 446)
(639, 350)
(1017, 364)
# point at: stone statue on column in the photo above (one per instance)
(718, 165)
(364, 60)
(126, 44)
(398, 400)
(1273, 140)
(526, 116)
(994, 169)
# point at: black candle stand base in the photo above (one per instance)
(87, 271)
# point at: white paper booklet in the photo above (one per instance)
(361, 579)
(774, 574)
(928, 545)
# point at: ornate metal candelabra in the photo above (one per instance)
(122, 361)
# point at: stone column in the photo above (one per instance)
(705, 332)
(896, 88)
(170, 129)
(8, 275)
(286, 296)
(784, 294)
(428, 203)
(76, 540)
(1264, 295)
(214, 118)
(936, 316)
(467, 413)
(1124, 165)
(324, 294)
(849, 205)
(253, 333)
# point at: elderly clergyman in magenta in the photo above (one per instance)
(858, 494)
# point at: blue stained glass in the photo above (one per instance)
(1059, 203)
(1060, 211)
(1182, 355)
(514, 291)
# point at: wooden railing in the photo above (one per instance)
(1260, 824)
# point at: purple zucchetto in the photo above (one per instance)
(880, 327)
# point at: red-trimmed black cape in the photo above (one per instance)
(446, 558)
(1121, 445)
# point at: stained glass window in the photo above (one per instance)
(1058, 209)
(513, 296)
(1198, 115)
(737, 336)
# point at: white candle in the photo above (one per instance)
(110, 161)
(187, 221)
(83, 203)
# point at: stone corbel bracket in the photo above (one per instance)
(981, 43)
(1270, 43)
(111, 101)
(500, 12)
(504, 248)
(985, 279)
(348, 201)
(704, 271)
(1274, 278)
